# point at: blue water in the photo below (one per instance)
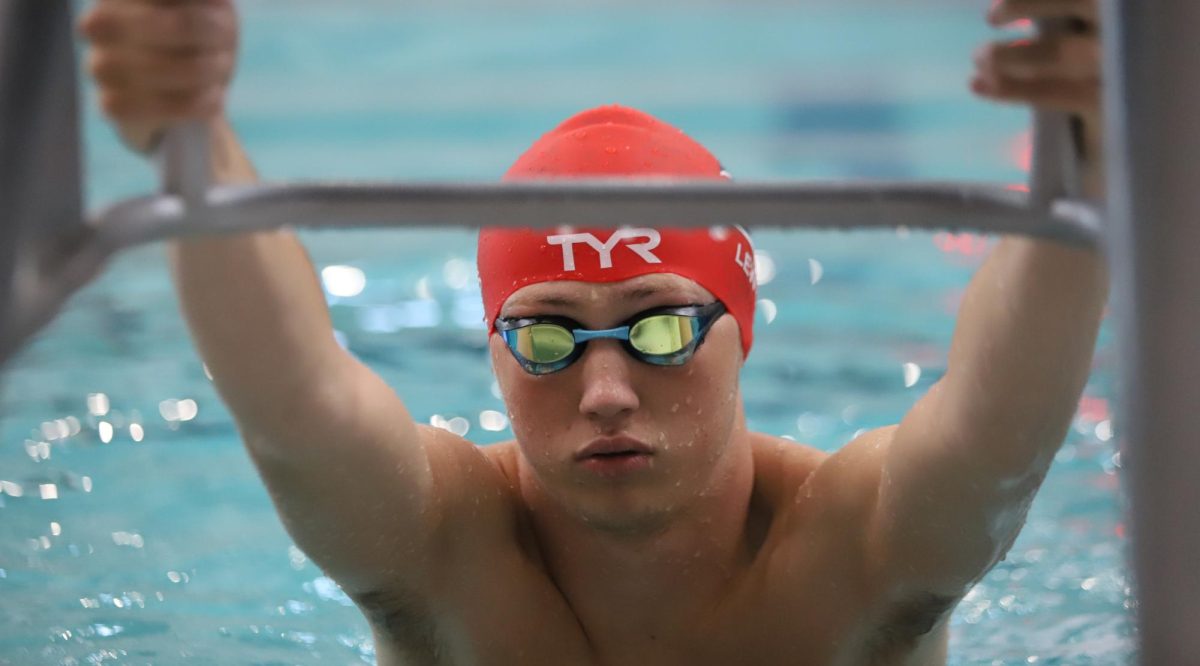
(167, 551)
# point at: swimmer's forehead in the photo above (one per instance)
(626, 295)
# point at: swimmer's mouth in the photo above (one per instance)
(613, 447)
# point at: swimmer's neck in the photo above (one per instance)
(663, 577)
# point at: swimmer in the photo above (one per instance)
(634, 519)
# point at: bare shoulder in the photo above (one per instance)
(503, 457)
(782, 465)
(820, 501)
(785, 469)
(474, 486)
(823, 503)
(849, 479)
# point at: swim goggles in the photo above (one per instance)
(660, 336)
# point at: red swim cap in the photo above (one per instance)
(606, 142)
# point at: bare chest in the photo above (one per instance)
(511, 613)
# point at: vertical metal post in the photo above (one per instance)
(40, 184)
(184, 163)
(1152, 61)
(1055, 168)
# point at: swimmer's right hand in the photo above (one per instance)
(160, 62)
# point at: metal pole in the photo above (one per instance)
(41, 212)
(1055, 169)
(184, 167)
(834, 205)
(1152, 61)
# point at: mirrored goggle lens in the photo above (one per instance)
(663, 334)
(544, 343)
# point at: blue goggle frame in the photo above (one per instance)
(700, 318)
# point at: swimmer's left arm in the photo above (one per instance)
(958, 474)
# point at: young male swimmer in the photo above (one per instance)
(634, 519)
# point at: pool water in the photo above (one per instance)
(133, 528)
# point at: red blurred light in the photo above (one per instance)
(966, 244)
(1020, 150)
(1093, 409)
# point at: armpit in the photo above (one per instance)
(905, 622)
(405, 621)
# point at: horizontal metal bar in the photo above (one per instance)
(838, 205)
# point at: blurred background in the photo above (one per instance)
(133, 529)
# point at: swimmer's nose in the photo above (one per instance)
(608, 393)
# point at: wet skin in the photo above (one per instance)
(724, 547)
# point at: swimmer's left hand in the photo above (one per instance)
(1058, 72)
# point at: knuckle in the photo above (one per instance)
(86, 24)
(96, 23)
(1003, 53)
(113, 105)
(105, 67)
(96, 63)
(1033, 50)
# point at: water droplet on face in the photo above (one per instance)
(674, 408)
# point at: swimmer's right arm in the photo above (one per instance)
(351, 473)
